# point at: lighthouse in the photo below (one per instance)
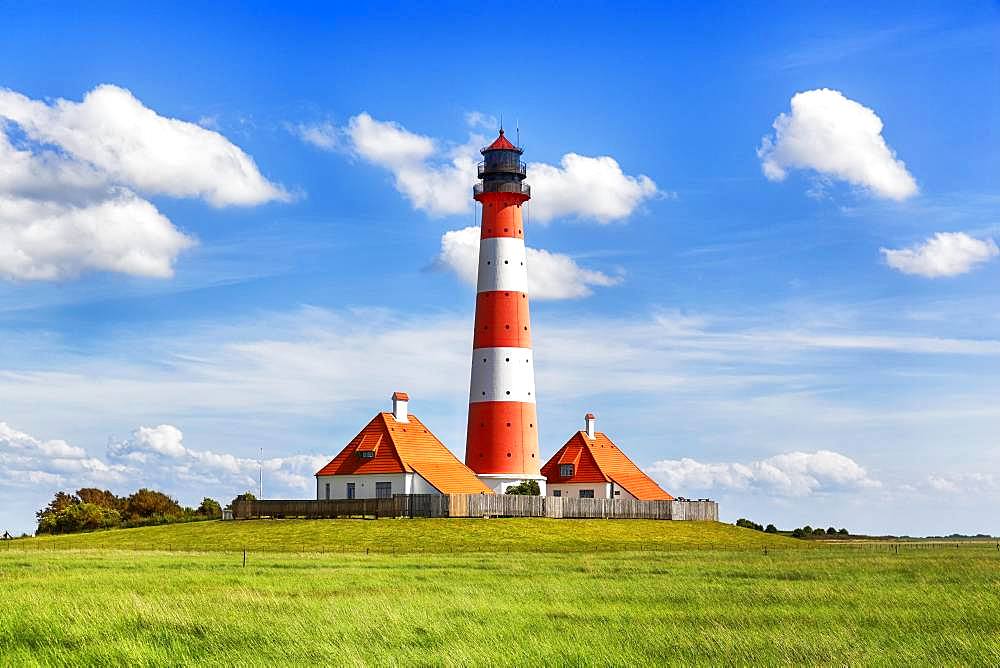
(502, 439)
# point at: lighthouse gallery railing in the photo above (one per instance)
(501, 187)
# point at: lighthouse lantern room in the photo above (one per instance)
(502, 439)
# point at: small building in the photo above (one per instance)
(591, 466)
(395, 454)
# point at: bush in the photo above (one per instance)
(79, 517)
(526, 488)
(747, 524)
(242, 498)
(771, 529)
(91, 508)
(209, 508)
(101, 497)
(148, 503)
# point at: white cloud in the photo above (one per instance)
(138, 148)
(11, 439)
(73, 208)
(586, 187)
(323, 135)
(47, 240)
(944, 254)
(981, 484)
(163, 456)
(477, 119)
(438, 185)
(837, 137)
(788, 474)
(26, 460)
(550, 275)
(437, 177)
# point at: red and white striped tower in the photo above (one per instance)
(502, 440)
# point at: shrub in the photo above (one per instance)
(244, 497)
(526, 488)
(79, 517)
(148, 503)
(209, 508)
(771, 529)
(91, 508)
(101, 497)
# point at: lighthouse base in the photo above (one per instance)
(499, 482)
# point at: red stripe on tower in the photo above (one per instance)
(502, 440)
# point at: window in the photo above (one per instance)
(586, 493)
(383, 490)
(366, 454)
(557, 492)
(350, 490)
(327, 491)
(565, 470)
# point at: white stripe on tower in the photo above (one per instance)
(502, 374)
(502, 265)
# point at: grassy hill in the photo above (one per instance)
(422, 535)
(490, 592)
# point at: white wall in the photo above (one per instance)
(364, 485)
(421, 486)
(499, 483)
(572, 490)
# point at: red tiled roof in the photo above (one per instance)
(501, 143)
(401, 396)
(600, 460)
(405, 447)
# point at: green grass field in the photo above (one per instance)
(497, 592)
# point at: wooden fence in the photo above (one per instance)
(480, 505)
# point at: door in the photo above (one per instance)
(350, 490)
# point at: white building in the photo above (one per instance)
(591, 466)
(395, 454)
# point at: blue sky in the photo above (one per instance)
(776, 324)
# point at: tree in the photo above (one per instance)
(101, 497)
(209, 508)
(526, 488)
(771, 529)
(148, 503)
(843, 532)
(78, 517)
(831, 531)
(245, 496)
(747, 524)
(818, 532)
(48, 516)
(807, 529)
(87, 517)
(58, 503)
(798, 533)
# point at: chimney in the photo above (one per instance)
(399, 402)
(590, 421)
